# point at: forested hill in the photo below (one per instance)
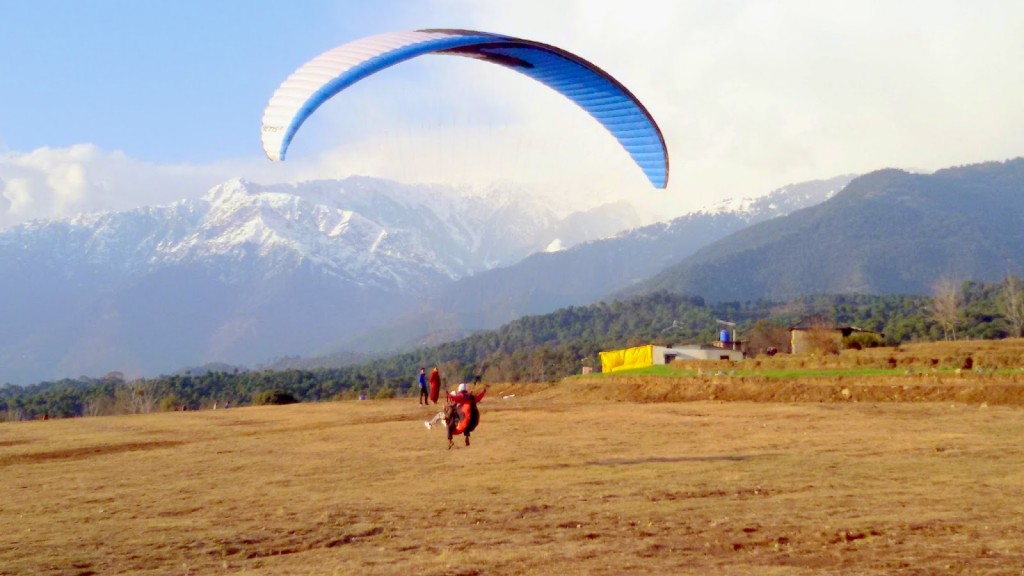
(535, 348)
(888, 232)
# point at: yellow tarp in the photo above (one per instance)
(637, 357)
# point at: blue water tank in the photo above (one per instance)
(724, 336)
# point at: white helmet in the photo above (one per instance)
(463, 387)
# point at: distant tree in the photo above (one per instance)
(136, 397)
(385, 393)
(113, 377)
(170, 402)
(543, 365)
(98, 404)
(946, 302)
(1011, 304)
(766, 334)
(451, 373)
(14, 411)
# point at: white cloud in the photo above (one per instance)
(59, 182)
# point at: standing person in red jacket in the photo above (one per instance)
(435, 385)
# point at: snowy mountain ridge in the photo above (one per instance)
(365, 231)
(780, 201)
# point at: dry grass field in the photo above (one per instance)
(574, 478)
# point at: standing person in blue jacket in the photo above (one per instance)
(423, 386)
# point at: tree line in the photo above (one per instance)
(542, 348)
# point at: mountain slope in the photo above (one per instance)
(546, 281)
(887, 232)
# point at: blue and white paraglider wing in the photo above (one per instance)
(601, 95)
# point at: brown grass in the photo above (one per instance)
(564, 479)
(612, 488)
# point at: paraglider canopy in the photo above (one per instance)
(594, 90)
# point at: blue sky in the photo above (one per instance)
(111, 104)
(162, 80)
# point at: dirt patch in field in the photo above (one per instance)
(85, 452)
(6, 443)
(627, 462)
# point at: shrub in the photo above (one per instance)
(347, 394)
(275, 396)
(861, 340)
(170, 403)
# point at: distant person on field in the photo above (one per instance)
(435, 385)
(424, 396)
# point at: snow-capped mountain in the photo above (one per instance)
(781, 201)
(250, 272)
(368, 232)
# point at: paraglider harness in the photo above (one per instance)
(461, 417)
